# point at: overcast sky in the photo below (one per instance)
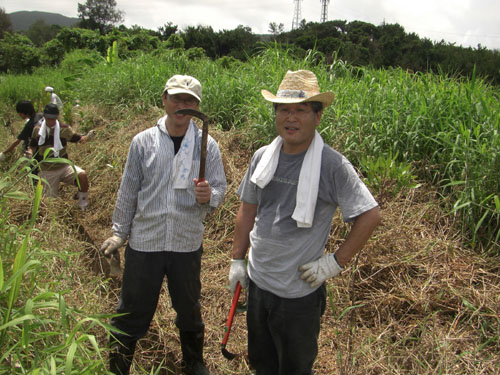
(464, 22)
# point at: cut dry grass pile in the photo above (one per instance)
(426, 305)
(414, 302)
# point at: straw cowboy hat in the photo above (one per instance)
(299, 87)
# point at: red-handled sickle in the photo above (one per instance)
(229, 323)
(204, 135)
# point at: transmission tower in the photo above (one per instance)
(297, 15)
(324, 10)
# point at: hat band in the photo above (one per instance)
(292, 94)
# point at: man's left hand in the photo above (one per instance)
(202, 191)
(315, 273)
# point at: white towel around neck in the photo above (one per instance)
(183, 160)
(308, 186)
(44, 132)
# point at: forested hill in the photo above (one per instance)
(23, 19)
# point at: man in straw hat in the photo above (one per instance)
(160, 209)
(289, 195)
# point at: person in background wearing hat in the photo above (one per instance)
(27, 112)
(160, 209)
(288, 196)
(49, 133)
(54, 99)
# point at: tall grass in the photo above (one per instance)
(39, 332)
(446, 129)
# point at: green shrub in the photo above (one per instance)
(386, 174)
(174, 41)
(195, 53)
(80, 60)
(76, 38)
(52, 53)
(18, 54)
(227, 62)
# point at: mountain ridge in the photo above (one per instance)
(22, 20)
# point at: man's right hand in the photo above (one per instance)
(111, 245)
(238, 272)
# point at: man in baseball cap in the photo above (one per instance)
(160, 209)
(180, 84)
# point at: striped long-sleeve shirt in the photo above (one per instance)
(149, 211)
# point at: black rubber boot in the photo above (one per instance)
(120, 358)
(192, 353)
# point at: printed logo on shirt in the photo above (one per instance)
(285, 180)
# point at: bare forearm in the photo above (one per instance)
(361, 231)
(244, 223)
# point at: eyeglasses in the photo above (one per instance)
(299, 112)
(188, 100)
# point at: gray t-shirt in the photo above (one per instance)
(277, 246)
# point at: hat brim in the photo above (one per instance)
(182, 91)
(325, 97)
(49, 116)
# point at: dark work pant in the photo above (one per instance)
(141, 285)
(283, 332)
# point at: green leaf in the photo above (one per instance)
(17, 321)
(349, 309)
(1, 274)
(70, 357)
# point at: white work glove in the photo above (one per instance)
(315, 273)
(2, 156)
(238, 272)
(111, 245)
(91, 135)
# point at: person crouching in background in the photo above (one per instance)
(50, 133)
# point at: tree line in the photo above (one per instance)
(388, 45)
(357, 43)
